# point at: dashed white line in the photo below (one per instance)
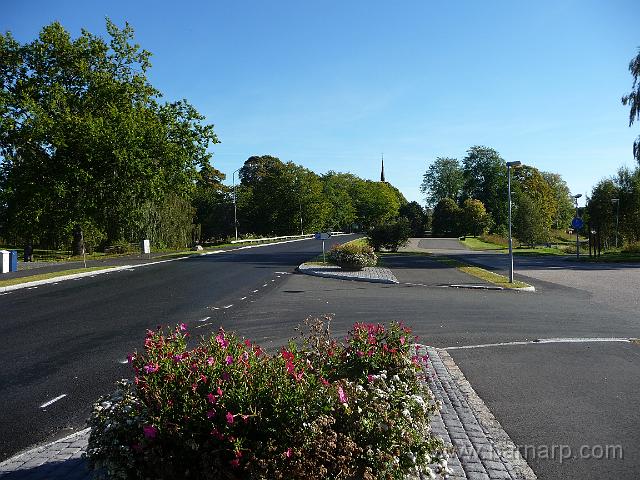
(204, 325)
(272, 280)
(123, 362)
(32, 288)
(265, 285)
(215, 308)
(204, 319)
(255, 291)
(228, 306)
(243, 298)
(53, 400)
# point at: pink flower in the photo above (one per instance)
(402, 340)
(211, 413)
(341, 395)
(229, 360)
(211, 398)
(370, 378)
(219, 391)
(229, 417)
(223, 342)
(183, 327)
(210, 361)
(235, 463)
(152, 367)
(288, 453)
(324, 381)
(150, 431)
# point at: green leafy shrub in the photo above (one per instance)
(357, 409)
(390, 236)
(631, 247)
(353, 256)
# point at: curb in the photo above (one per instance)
(338, 276)
(63, 278)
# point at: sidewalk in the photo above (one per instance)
(482, 450)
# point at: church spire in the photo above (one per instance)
(382, 171)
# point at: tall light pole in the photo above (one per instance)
(575, 199)
(617, 202)
(235, 209)
(509, 166)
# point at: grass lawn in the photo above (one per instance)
(46, 276)
(477, 244)
(481, 273)
(613, 257)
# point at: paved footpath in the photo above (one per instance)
(482, 450)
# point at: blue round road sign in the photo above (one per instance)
(577, 223)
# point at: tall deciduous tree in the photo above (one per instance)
(485, 179)
(633, 100)
(563, 200)
(85, 144)
(475, 219)
(447, 218)
(416, 216)
(443, 179)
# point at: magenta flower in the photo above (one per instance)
(211, 413)
(150, 431)
(152, 367)
(370, 378)
(210, 361)
(341, 395)
(229, 418)
(288, 453)
(183, 327)
(223, 342)
(228, 360)
(212, 398)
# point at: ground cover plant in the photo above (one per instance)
(318, 408)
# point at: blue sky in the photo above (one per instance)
(332, 84)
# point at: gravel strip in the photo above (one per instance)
(367, 274)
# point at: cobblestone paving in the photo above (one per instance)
(482, 449)
(367, 274)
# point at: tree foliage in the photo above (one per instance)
(633, 100)
(416, 216)
(85, 142)
(443, 179)
(475, 219)
(447, 218)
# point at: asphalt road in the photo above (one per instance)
(546, 396)
(71, 338)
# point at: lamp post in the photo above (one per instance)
(575, 199)
(509, 166)
(617, 202)
(235, 209)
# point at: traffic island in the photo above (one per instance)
(367, 274)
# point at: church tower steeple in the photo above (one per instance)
(382, 171)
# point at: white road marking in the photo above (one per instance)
(243, 298)
(545, 341)
(228, 306)
(123, 362)
(265, 285)
(204, 325)
(272, 280)
(32, 288)
(216, 308)
(255, 291)
(204, 319)
(282, 273)
(53, 400)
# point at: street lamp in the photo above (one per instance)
(235, 209)
(509, 166)
(575, 199)
(617, 202)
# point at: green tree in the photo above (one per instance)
(475, 219)
(375, 202)
(342, 213)
(415, 215)
(85, 144)
(564, 202)
(633, 100)
(443, 179)
(213, 202)
(529, 221)
(601, 210)
(485, 179)
(447, 218)
(530, 182)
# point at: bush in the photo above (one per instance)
(631, 247)
(226, 409)
(390, 236)
(353, 256)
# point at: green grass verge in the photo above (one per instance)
(481, 273)
(477, 244)
(613, 257)
(46, 276)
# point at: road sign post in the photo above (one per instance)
(577, 224)
(322, 236)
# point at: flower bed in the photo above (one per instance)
(324, 409)
(353, 256)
